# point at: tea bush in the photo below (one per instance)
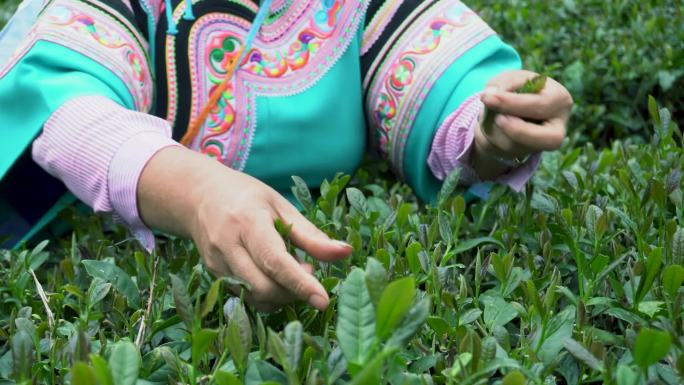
(577, 280)
(611, 54)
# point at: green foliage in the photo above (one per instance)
(610, 54)
(576, 280)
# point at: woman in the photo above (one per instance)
(138, 106)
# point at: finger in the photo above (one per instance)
(511, 80)
(548, 136)
(264, 289)
(267, 250)
(307, 267)
(554, 101)
(310, 238)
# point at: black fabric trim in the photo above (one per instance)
(182, 121)
(29, 189)
(405, 10)
(140, 18)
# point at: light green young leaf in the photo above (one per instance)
(301, 191)
(672, 277)
(117, 277)
(626, 376)
(650, 308)
(211, 298)
(226, 378)
(98, 289)
(201, 342)
(376, 279)
(356, 319)
(497, 312)
(357, 200)
(372, 371)
(395, 301)
(124, 363)
(293, 344)
(514, 378)
(101, 370)
(448, 187)
(651, 346)
(276, 348)
(82, 374)
(652, 269)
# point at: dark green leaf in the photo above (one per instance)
(117, 277)
(181, 299)
(259, 372)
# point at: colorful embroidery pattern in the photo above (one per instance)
(425, 51)
(286, 66)
(108, 41)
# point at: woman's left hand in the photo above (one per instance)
(525, 123)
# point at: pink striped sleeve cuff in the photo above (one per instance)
(99, 149)
(453, 143)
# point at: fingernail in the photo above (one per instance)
(318, 302)
(342, 243)
(501, 119)
(490, 92)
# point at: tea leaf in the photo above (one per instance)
(182, 301)
(201, 343)
(514, 378)
(293, 344)
(82, 374)
(396, 300)
(124, 363)
(259, 372)
(414, 319)
(211, 298)
(673, 277)
(117, 277)
(376, 279)
(583, 355)
(301, 191)
(497, 312)
(652, 269)
(356, 319)
(651, 346)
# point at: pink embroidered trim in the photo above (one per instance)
(107, 41)
(433, 43)
(283, 67)
(377, 26)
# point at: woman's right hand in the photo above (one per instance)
(230, 216)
